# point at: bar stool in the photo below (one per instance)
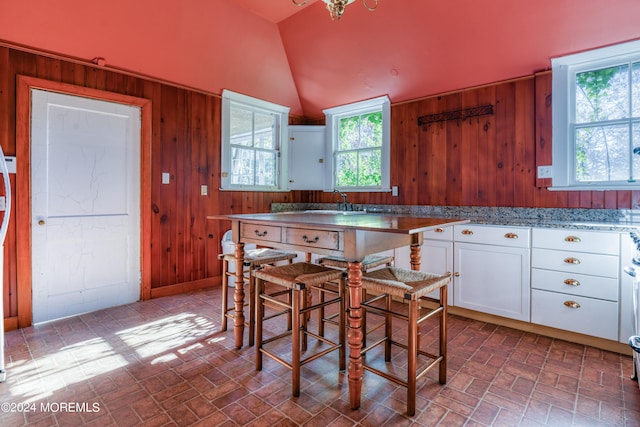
(253, 258)
(369, 262)
(293, 281)
(411, 286)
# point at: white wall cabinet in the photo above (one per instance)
(492, 270)
(575, 281)
(306, 157)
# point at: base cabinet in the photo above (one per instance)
(575, 284)
(436, 257)
(492, 270)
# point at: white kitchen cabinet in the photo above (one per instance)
(436, 256)
(306, 157)
(627, 319)
(575, 281)
(492, 270)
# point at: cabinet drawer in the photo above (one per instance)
(440, 233)
(491, 235)
(575, 262)
(593, 317)
(312, 238)
(575, 284)
(265, 233)
(577, 240)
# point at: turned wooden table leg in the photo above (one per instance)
(238, 295)
(416, 258)
(355, 369)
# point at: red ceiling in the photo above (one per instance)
(298, 57)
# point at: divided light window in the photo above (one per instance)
(359, 136)
(596, 119)
(253, 139)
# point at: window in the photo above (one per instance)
(596, 119)
(253, 143)
(360, 145)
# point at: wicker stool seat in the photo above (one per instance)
(253, 258)
(293, 282)
(370, 261)
(412, 287)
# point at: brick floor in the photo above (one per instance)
(165, 362)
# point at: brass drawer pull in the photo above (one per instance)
(572, 260)
(259, 234)
(511, 236)
(572, 304)
(571, 282)
(439, 230)
(467, 232)
(572, 239)
(307, 240)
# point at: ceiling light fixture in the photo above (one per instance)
(336, 7)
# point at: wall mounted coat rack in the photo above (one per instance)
(464, 113)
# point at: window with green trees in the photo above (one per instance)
(596, 118)
(359, 136)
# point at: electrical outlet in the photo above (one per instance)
(204, 190)
(545, 172)
(166, 177)
(394, 191)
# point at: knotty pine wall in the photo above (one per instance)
(484, 161)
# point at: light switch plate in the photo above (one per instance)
(3, 203)
(204, 190)
(394, 191)
(166, 177)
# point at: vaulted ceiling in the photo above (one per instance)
(299, 57)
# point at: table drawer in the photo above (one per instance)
(575, 284)
(266, 233)
(593, 316)
(518, 237)
(576, 240)
(312, 238)
(575, 262)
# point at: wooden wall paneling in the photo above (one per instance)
(524, 143)
(486, 149)
(453, 144)
(469, 152)
(169, 193)
(185, 195)
(404, 152)
(505, 119)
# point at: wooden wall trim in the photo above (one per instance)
(23, 181)
(180, 288)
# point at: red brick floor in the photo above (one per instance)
(165, 362)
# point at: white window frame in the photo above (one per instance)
(230, 98)
(564, 71)
(333, 116)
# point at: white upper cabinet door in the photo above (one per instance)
(306, 157)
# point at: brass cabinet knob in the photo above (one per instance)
(41, 222)
(456, 274)
(571, 282)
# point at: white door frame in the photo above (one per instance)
(23, 185)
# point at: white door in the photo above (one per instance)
(85, 204)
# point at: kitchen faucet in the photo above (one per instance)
(344, 205)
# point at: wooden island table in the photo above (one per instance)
(352, 235)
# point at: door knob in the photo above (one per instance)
(41, 222)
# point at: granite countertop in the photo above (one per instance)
(620, 220)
